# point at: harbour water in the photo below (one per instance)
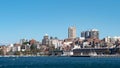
(59, 62)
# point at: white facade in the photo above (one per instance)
(16, 48)
(57, 43)
(108, 39)
(114, 39)
(82, 38)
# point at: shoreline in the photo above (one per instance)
(61, 56)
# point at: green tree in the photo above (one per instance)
(33, 49)
(1, 52)
(25, 43)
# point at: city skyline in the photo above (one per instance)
(33, 19)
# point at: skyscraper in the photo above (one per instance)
(93, 33)
(83, 34)
(72, 32)
(87, 34)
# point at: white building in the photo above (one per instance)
(114, 39)
(82, 38)
(108, 39)
(16, 47)
(57, 43)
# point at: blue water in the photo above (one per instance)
(59, 62)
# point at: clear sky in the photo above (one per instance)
(34, 18)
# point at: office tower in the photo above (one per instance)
(87, 34)
(83, 34)
(72, 32)
(94, 33)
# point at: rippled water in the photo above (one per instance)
(59, 62)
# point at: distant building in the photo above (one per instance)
(114, 39)
(16, 47)
(93, 33)
(87, 34)
(83, 34)
(72, 32)
(23, 41)
(3, 50)
(107, 39)
(56, 42)
(46, 40)
(32, 42)
(9, 47)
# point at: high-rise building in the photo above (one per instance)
(72, 32)
(83, 34)
(87, 34)
(45, 40)
(93, 33)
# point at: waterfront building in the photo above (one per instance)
(16, 47)
(98, 51)
(56, 42)
(3, 50)
(72, 32)
(9, 48)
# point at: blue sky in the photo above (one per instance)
(34, 18)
